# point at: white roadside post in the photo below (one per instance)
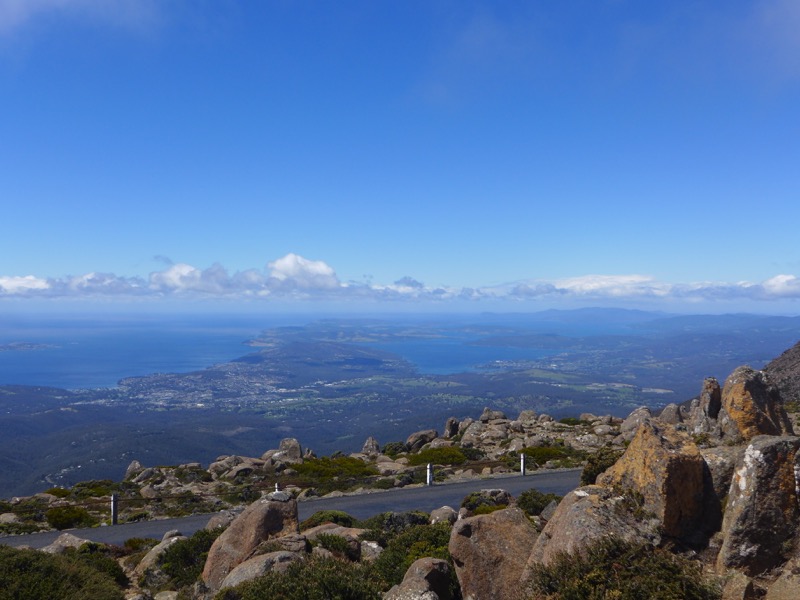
(429, 478)
(522, 464)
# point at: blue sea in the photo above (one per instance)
(457, 354)
(76, 352)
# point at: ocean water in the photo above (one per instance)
(75, 352)
(87, 353)
(444, 356)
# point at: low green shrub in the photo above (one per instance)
(474, 501)
(100, 558)
(34, 575)
(598, 462)
(573, 421)
(328, 516)
(67, 517)
(449, 455)
(473, 453)
(340, 466)
(392, 449)
(384, 527)
(135, 544)
(338, 545)
(485, 509)
(313, 579)
(612, 568)
(96, 488)
(183, 561)
(567, 455)
(58, 492)
(533, 502)
(402, 550)
(19, 528)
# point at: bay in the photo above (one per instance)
(79, 353)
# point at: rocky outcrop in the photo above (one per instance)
(269, 517)
(671, 414)
(631, 424)
(63, 542)
(426, 579)
(289, 452)
(450, 428)
(762, 508)
(753, 405)
(371, 447)
(444, 514)
(588, 514)
(260, 565)
(784, 372)
(705, 409)
(490, 553)
(418, 439)
(664, 467)
(489, 415)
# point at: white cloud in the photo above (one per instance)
(294, 271)
(293, 277)
(613, 285)
(784, 286)
(21, 285)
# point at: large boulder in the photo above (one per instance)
(259, 565)
(784, 372)
(630, 425)
(762, 509)
(472, 435)
(753, 405)
(64, 542)
(426, 579)
(490, 553)
(269, 517)
(450, 428)
(418, 439)
(671, 414)
(586, 515)
(289, 452)
(491, 415)
(705, 410)
(665, 468)
(371, 447)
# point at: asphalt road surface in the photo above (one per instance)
(360, 506)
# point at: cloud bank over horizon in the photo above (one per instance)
(296, 278)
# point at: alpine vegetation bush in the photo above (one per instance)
(533, 502)
(612, 568)
(597, 463)
(312, 579)
(35, 575)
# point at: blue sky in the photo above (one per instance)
(445, 155)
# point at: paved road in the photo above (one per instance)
(360, 506)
